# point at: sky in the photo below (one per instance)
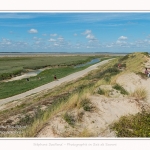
(121, 32)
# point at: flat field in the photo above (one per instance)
(59, 65)
(12, 66)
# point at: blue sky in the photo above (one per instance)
(75, 32)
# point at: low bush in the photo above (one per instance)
(133, 126)
(120, 88)
(101, 91)
(69, 119)
(86, 105)
(108, 73)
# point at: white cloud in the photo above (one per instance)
(122, 38)
(90, 36)
(87, 32)
(120, 42)
(55, 44)
(53, 34)
(60, 38)
(34, 37)
(51, 40)
(33, 31)
(44, 34)
(75, 34)
(6, 41)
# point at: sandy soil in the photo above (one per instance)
(131, 82)
(107, 110)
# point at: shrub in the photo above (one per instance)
(69, 119)
(86, 105)
(133, 126)
(120, 88)
(27, 120)
(110, 71)
(107, 78)
(100, 91)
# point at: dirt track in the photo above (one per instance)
(54, 83)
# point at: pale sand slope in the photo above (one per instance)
(96, 123)
(54, 83)
(131, 82)
(107, 110)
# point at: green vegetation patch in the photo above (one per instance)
(69, 119)
(133, 126)
(121, 89)
(134, 62)
(11, 66)
(12, 88)
(107, 73)
(86, 105)
(101, 91)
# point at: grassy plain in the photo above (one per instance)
(60, 66)
(11, 66)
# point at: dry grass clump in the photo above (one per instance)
(140, 94)
(86, 133)
(103, 92)
(72, 102)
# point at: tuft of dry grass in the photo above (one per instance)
(140, 93)
(86, 133)
(103, 92)
(72, 102)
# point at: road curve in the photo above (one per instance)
(53, 84)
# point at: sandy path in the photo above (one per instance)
(54, 83)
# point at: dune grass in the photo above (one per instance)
(103, 92)
(140, 93)
(86, 133)
(64, 104)
(134, 62)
